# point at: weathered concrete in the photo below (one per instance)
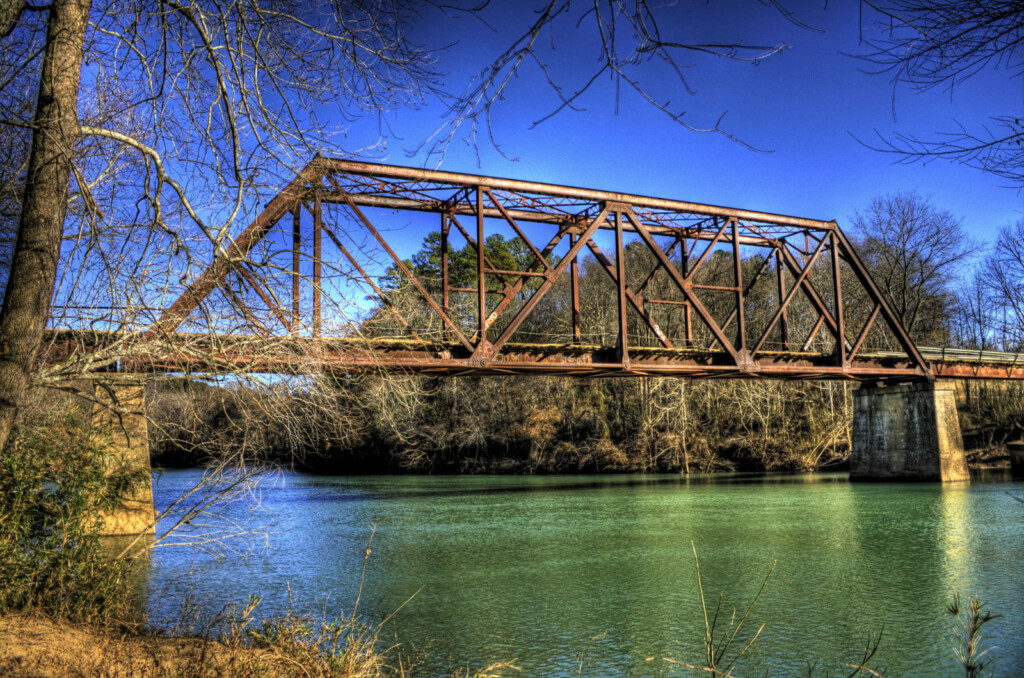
(1016, 459)
(120, 412)
(907, 432)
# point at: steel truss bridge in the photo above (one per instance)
(818, 314)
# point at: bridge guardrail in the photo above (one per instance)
(957, 354)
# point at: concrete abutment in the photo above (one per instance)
(907, 432)
(120, 412)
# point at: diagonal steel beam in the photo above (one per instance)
(864, 332)
(657, 267)
(685, 286)
(412, 278)
(812, 293)
(814, 332)
(789, 297)
(553, 275)
(513, 291)
(379, 292)
(239, 303)
(636, 300)
(282, 203)
(747, 290)
(472, 243)
(512, 222)
(268, 298)
(703, 255)
(897, 327)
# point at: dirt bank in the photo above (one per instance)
(37, 647)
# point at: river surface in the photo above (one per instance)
(548, 570)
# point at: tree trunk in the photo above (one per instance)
(37, 248)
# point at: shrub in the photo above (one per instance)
(55, 482)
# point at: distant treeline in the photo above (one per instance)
(540, 424)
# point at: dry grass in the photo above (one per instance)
(290, 646)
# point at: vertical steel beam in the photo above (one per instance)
(296, 276)
(620, 271)
(317, 252)
(687, 310)
(746, 290)
(445, 226)
(481, 284)
(635, 299)
(837, 289)
(741, 324)
(784, 322)
(574, 284)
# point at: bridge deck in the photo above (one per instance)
(290, 354)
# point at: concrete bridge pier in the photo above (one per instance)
(125, 422)
(907, 432)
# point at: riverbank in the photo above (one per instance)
(537, 425)
(983, 459)
(34, 646)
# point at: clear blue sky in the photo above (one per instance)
(806, 105)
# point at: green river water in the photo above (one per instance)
(542, 570)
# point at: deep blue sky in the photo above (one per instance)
(806, 105)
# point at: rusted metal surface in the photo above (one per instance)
(317, 264)
(571, 194)
(296, 273)
(702, 263)
(201, 353)
(574, 290)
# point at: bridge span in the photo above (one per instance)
(613, 283)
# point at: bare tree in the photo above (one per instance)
(941, 43)
(972, 325)
(630, 38)
(1004, 278)
(915, 252)
(37, 248)
(191, 110)
(178, 95)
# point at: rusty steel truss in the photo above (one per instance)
(800, 262)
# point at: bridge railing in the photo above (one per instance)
(945, 354)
